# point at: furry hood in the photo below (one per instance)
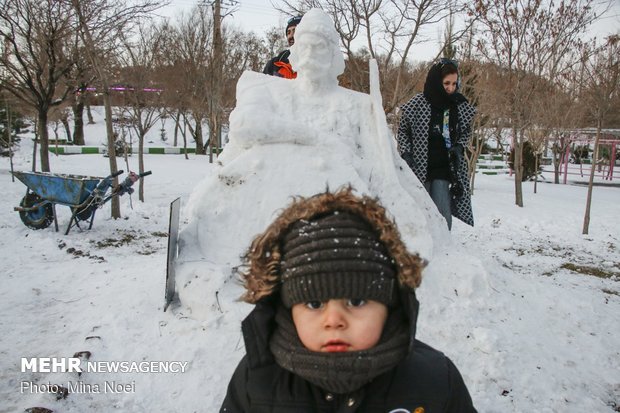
(261, 270)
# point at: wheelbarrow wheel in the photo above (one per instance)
(39, 218)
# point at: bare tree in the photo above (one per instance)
(275, 42)
(143, 100)
(530, 40)
(216, 107)
(59, 116)
(601, 94)
(483, 85)
(215, 81)
(188, 44)
(40, 52)
(100, 24)
(81, 78)
(558, 110)
(243, 51)
(559, 113)
(195, 70)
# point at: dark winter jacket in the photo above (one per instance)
(425, 379)
(413, 133)
(279, 66)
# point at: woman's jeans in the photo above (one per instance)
(439, 190)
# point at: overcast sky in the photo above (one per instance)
(259, 16)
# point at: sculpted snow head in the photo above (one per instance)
(316, 54)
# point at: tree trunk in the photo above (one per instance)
(78, 122)
(176, 128)
(115, 206)
(475, 148)
(184, 134)
(211, 140)
(91, 50)
(91, 120)
(518, 188)
(141, 166)
(556, 167)
(518, 168)
(216, 95)
(65, 124)
(472, 183)
(214, 137)
(586, 217)
(34, 147)
(535, 172)
(55, 129)
(43, 140)
(200, 146)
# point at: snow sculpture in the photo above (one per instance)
(297, 137)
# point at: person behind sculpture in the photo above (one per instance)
(279, 65)
(335, 317)
(434, 129)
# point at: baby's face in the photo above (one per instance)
(339, 325)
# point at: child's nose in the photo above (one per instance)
(334, 317)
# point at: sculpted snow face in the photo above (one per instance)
(316, 56)
(308, 110)
(296, 137)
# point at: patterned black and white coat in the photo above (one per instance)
(412, 139)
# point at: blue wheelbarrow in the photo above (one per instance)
(83, 194)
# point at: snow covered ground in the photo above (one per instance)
(526, 306)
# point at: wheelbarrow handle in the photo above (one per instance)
(143, 174)
(117, 173)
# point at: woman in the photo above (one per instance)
(435, 127)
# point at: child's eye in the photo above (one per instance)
(314, 305)
(356, 302)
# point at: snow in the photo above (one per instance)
(499, 305)
(505, 300)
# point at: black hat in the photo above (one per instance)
(293, 21)
(338, 255)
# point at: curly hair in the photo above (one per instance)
(261, 270)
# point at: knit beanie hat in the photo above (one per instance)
(338, 255)
(293, 21)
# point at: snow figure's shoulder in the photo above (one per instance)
(265, 111)
(254, 85)
(250, 79)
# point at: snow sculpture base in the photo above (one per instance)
(285, 144)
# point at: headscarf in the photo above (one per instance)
(435, 92)
(440, 99)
